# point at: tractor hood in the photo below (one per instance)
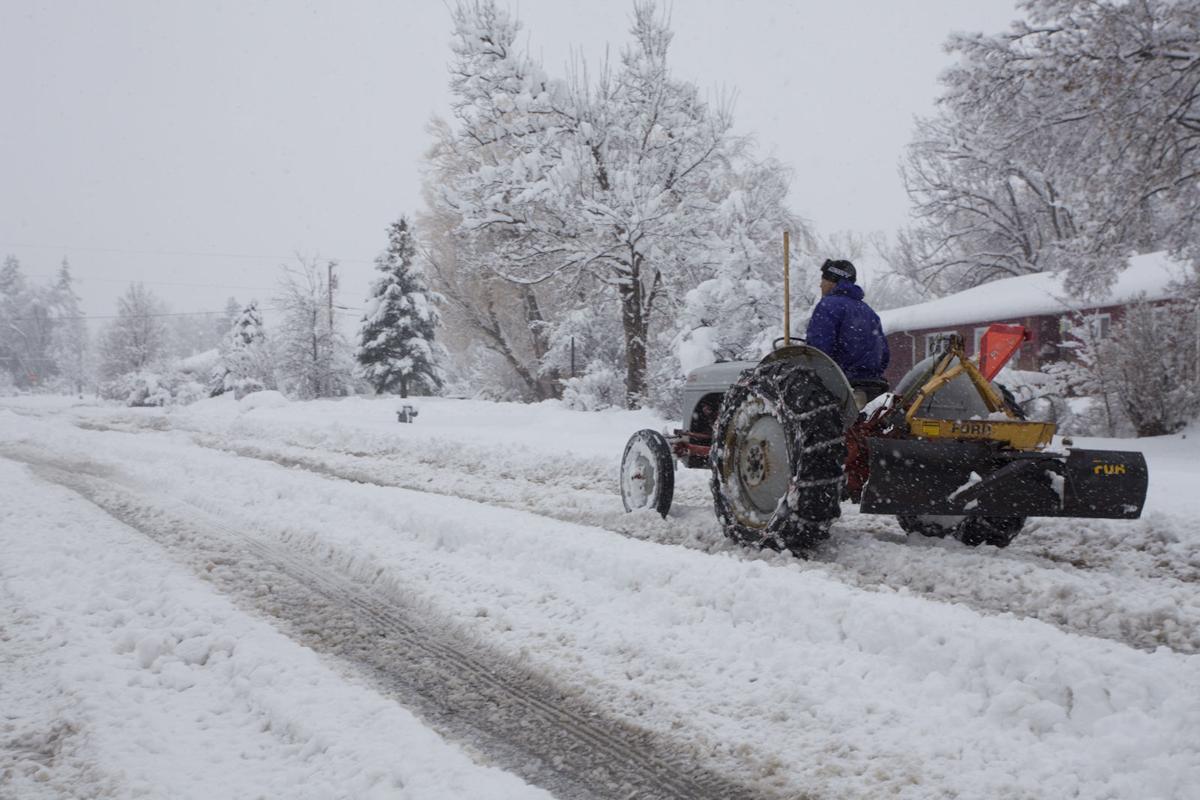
(717, 377)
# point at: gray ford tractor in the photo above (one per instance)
(946, 452)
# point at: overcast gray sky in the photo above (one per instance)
(197, 145)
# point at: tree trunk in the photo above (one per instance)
(633, 322)
(548, 386)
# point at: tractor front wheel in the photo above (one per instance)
(647, 473)
(777, 456)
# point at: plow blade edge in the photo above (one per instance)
(914, 477)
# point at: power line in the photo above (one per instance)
(135, 316)
(346, 312)
(156, 283)
(123, 251)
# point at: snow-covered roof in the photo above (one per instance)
(1034, 295)
(200, 362)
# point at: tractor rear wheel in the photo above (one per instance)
(777, 458)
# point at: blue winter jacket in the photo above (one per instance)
(846, 328)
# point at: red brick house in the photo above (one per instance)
(1039, 302)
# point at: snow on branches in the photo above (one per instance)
(396, 349)
(1069, 142)
(620, 192)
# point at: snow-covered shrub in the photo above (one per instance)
(1142, 379)
(1154, 366)
(594, 336)
(483, 374)
(147, 388)
(1076, 398)
(1040, 396)
(599, 387)
(134, 389)
(263, 399)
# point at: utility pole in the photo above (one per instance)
(330, 284)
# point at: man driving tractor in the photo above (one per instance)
(848, 331)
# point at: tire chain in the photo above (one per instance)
(807, 410)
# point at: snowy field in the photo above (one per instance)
(310, 600)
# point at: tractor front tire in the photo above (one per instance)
(647, 473)
(777, 458)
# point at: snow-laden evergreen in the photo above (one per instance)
(245, 364)
(397, 351)
(70, 344)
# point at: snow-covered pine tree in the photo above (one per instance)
(70, 332)
(396, 340)
(245, 364)
(247, 328)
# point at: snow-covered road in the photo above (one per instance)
(179, 564)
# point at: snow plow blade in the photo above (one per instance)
(913, 477)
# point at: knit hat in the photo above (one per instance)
(838, 271)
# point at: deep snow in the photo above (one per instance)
(1062, 666)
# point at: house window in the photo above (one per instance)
(934, 340)
(1097, 326)
(979, 332)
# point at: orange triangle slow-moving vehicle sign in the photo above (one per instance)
(997, 346)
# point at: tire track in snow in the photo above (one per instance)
(866, 551)
(518, 719)
(1084, 576)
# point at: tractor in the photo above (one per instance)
(947, 451)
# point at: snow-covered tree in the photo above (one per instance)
(396, 350)
(312, 357)
(12, 311)
(1153, 361)
(70, 333)
(27, 328)
(738, 311)
(617, 183)
(245, 364)
(482, 309)
(137, 338)
(1067, 143)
